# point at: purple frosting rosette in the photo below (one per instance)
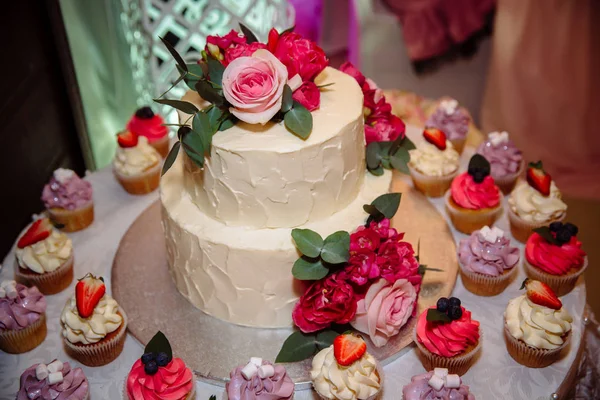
(67, 193)
(23, 310)
(73, 386)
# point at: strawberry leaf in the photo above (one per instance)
(433, 315)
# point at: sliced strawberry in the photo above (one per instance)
(88, 292)
(348, 348)
(538, 178)
(37, 232)
(436, 137)
(127, 139)
(541, 294)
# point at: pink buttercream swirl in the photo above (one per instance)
(448, 339)
(277, 387)
(419, 389)
(553, 259)
(152, 128)
(478, 255)
(70, 195)
(455, 125)
(171, 382)
(73, 387)
(22, 311)
(505, 158)
(474, 196)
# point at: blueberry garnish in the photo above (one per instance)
(162, 359)
(144, 113)
(442, 304)
(572, 228)
(147, 357)
(563, 236)
(454, 302)
(151, 368)
(556, 226)
(455, 312)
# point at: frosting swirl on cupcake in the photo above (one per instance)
(420, 389)
(278, 386)
(450, 119)
(489, 256)
(474, 196)
(46, 255)
(431, 161)
(136, 160)
(145, 123)
(103, 321)
(173, 382)
(554, 259)
(24, 309)
(538, 326)
(448, 339)
(532, 206)
(504, 157)
(66, 190)
(74, 385)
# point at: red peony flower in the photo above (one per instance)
(384, 230)
(362, 267)
(330, 300)
(351, 70)
(223, 42)
(396, 260)
(384, 129)
(300, 56)
(241, 50)
(364, 238)
(308, 95)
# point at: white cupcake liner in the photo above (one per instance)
(468, 221)
(459, 144)
(560, 284)
(378, 395)
(161, 145)
(17, 341)
(48, 282)
(431, 186)
(521, 229)
(73, 220)
(190, 396)
(486, 285)
(530, 356)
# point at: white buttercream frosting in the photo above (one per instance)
(103, 321)
(497, 138)
(136, 160)
(333, 381)
(46, 255)
(431, 161)
(538, 326)
(532, 206)
(62, 175)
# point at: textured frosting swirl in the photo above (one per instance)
(455, 125)
(431, 161)
(532, 206)
(69, 194)
(357, 381)
(474, 196)
(448, 339)
(73, 387)
(505, 158)
(476, 254)
(419, 389)
(171, 382)
(46, 255)
(538, 326)
(555, 260)
(136, 160)
(23, 310)
(103, 321)
(151, 128)
(277, 387)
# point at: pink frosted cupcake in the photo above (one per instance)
(436, 384)
(145, 123)
(452, 120)
(54, 381)
(505, 158)
(259, 379)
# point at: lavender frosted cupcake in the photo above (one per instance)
(22, 317)
(260, 380)
(452, 120)
(68, 199)
(436, 384)
(55, 381)
(505, 158)
(487, 261)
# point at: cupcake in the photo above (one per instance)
(436, 384)
(447, 337)
(54, 381)
(505, 158)
(137, 164)
(433, 164)
(93, 324)
(487, 261)
(68, 199)
(554, 256)
(158, 375)
(44, 258)
(22, 317)
(259, 379)
(452, 120)
(145, 123)
(534, 203)
(345, 371)
(473, 200)
(536, 326)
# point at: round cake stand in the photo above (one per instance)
(142, 285)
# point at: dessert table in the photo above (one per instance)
(495, 375)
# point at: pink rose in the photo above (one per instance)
(254, 86)
(396, 260)
(350, 69)
(223, 42)
(330, 300)
(384, 129)
(385, 310)
(299, 55)
(364, 238)
(362, 267)
(384, 230)
(308, 95)
(241, 50)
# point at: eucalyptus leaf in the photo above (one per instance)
(408, 144)
(175, 54)
(215, 71)
(184, 106)
(298, 120)
(309, 269)
(287, 101)
(159, 344)
(209, 93)
(202, 127)
(297, 347)
(325, 338)
(171, 157)
(336, 248)
(400, 159)
(388, 204)
(308, 242)
(377, 171)
(373, 155)
(250, 36)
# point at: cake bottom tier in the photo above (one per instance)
(238, 274)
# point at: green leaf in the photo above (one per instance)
(250, 36)
(171, 157)
(212, 397)
(192, 145)
(546, 234)
(336, 248)
(307, 269)
(287, 101)
(298, 120)
(408, 144)
(479, 161)
(373, 212)
(228, 122)
(325, 338)
(215, 117)
(308, 242)
(175, 54)
(400, 159)
(159, 344)
(288, 30)
(297, 347)
(215, 71)
(388, 204)
(202, 127)
(193, 74)
(377, 171)
(209, 93)
(433, 315)
(184, 106)
(373, 155)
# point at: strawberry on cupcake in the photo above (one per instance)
(137, 164)
(451, 119)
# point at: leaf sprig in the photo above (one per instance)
(319, 255)
(300, 346)
(388, 155)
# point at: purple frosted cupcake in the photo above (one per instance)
(22, 317)
(505, 158)
(487, 261)
(68, 199)
(260, 380)
(436, 384)
(452, 120)
(55, 381)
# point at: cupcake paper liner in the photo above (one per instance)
(102, 352)
(507, 183)
(144, 183)
(431, 186)
(468, 221)
(190, 396)
(458, 364)
(486, 285)
(16, 341)
(48, 282)
(162, 146)
(521, 229)
(73, 220)
(459, 144)
(560, 284)
(377, 395)
(530, 356)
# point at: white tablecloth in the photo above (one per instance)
(494, 376)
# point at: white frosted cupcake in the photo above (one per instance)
(137, 164)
